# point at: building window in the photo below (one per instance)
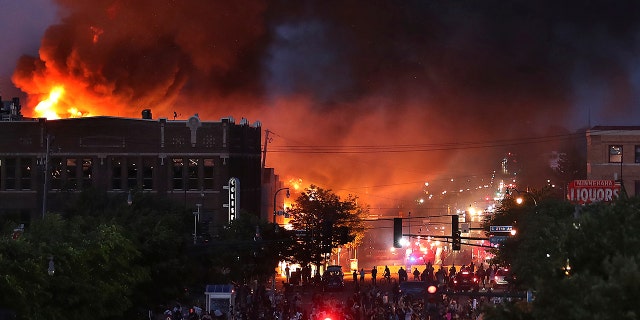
(208, 174)
(116, 174)
(87, 172)
(615, 154)
(637, 154)
(193, 174)
(10, 173)
(177, 179)
(72, 179)
(25, 173)
(132, 174)
(148, 165)
(57, 168)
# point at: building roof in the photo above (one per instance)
(609, 128)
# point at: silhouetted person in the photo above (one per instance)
(374, 272)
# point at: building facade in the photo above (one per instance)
(10, 110)
(213, 166)
(613, 153)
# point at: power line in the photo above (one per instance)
(357, 149)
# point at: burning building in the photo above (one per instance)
(212, 166)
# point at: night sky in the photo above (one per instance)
(437, 89)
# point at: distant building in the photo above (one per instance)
(10, 110)
(191, 161)
(613, 153)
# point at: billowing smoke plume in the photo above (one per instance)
(450, 85)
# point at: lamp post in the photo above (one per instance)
(52, 268)
(273, 280)
(196, 217)
(129, 198)
(275, 195)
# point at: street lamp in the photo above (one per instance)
(519, 200)
(129, 198)
(274, 202)
(52, 268)
(196, 217)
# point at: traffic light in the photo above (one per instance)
(455, 244)
(455, 233)
(432, 289)
(397, 232)
(434, 298)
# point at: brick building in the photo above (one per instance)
(613, 153)
(190, 161)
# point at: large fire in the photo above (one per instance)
(352, 111)
(52, 106)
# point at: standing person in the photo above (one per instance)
(374, 272)
(356, 284)
(387, 274)
(416, 274)
(362, 275)
(396, 291)
(429, 267)
(481, 275)
(177, 312)
(287, 272)
(452, 271)
(491, 273)
(401, 274)
(440, 276)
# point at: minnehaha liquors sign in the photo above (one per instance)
(587, 191)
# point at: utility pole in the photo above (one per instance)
(264, 150)
(45, 187)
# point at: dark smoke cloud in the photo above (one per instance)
(378, 72)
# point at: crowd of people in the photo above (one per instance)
(378, 302)
(370, 299)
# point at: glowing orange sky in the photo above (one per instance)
(394, 96)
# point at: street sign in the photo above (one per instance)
(497, 239)
(500, 228)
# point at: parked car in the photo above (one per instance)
(333, 278)
(503, 278)
(465, 281)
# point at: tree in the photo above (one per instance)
(581, 261)
(158, 228)
(111, 259)
(95, 271)
(249, 249)
(327, 221)
(604, 279)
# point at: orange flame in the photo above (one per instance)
(51, 107)
(46, 107)
(296, 184)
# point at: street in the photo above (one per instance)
(382, 297)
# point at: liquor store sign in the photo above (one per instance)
(587, 191)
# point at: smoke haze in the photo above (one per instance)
(434, 81)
